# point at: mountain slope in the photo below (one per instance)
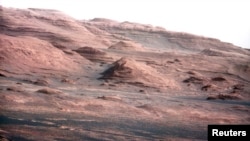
(158, 37)
(99, 79)
(60, 30)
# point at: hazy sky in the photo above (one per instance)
(227, 20)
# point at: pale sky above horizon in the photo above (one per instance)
(227, 20)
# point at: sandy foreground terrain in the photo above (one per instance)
(64, 79)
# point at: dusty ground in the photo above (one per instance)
(63, 79)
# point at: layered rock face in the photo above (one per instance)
(99, 79)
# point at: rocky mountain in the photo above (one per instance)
(99, 79)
